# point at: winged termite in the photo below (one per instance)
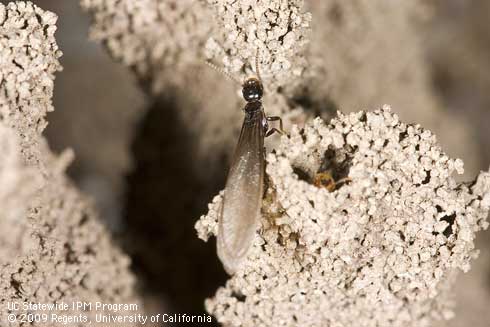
(240, 210)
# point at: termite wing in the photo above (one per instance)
(240, 209)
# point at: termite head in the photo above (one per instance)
(252, 90)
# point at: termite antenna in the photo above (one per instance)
(257, 65)
(222, 71)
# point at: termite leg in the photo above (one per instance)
(274, 130)
(280, 130)
(343, 180)
(276, 118)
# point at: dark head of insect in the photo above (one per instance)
(252, 90)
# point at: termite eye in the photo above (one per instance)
(252, 90)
